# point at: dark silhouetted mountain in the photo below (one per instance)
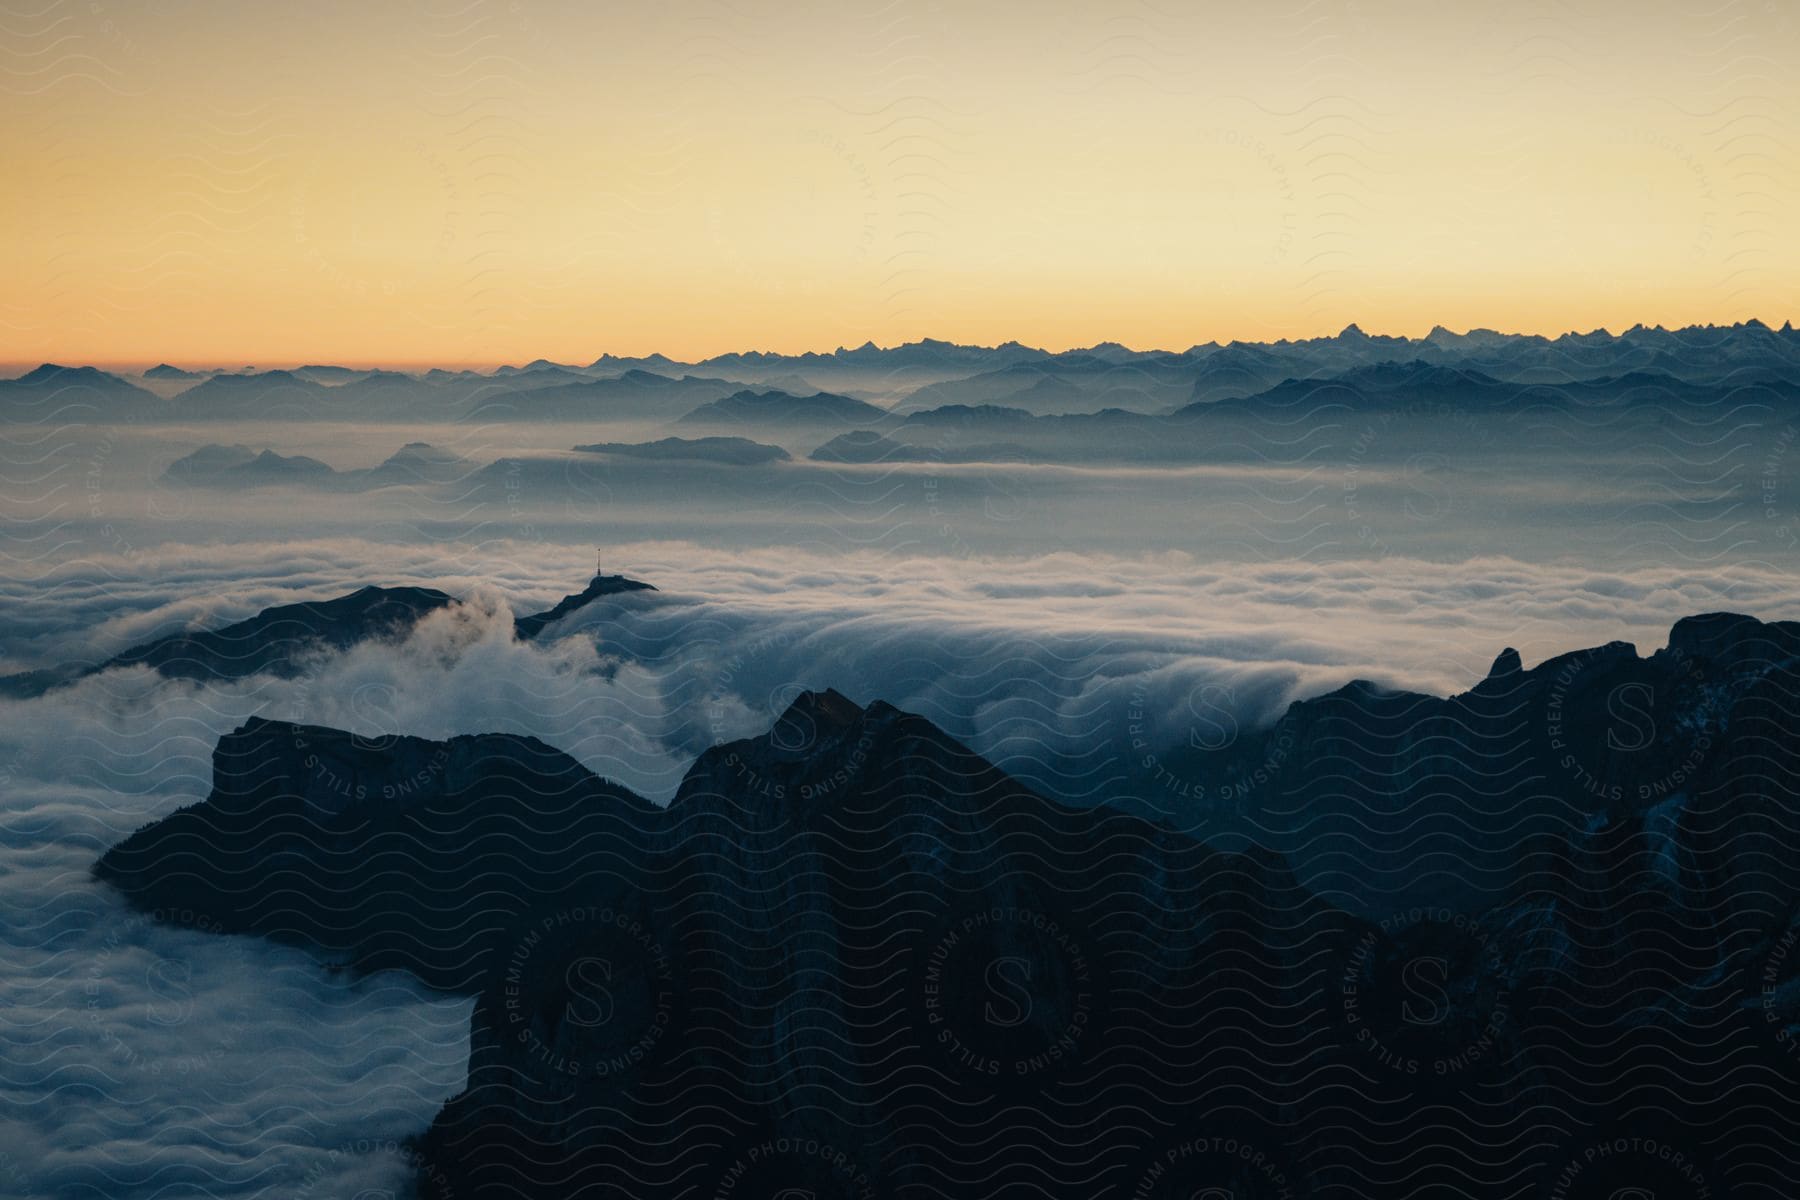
(262, 395)
(165, 371)
(239, 466)
(854, 869)
(852, 951)
(272, 466)
(1422, 388)
(863, 446)
(774, 409)
(1385, 385)
(539, 366)
(278, 641)
(929, 374)
(416, 463)
(428, 849)
(529, 627)
(729, 451)
(1079, 381)
(1389, 799)
(208, 462)
(282, 640)
(50, 394)
(995, 433)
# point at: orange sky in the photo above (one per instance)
(261, 183)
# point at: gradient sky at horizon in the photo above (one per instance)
(453, 183)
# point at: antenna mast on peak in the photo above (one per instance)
(599, 561)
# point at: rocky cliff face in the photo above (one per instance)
(853, 957)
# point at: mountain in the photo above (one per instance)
(854, 870)
(417, 463)
(854, 954)
(996, 433)
(321, 373)
(866, 446)
(1424, 389)
(773, 409)
(529, 627)
(725, 451)
(277, 640)
(925, 352)
(863, 446)
(1379, 386)
(927, 374)
(262, 395)
(872, 369)
(1076, 382)
(208, 462)
(215, 465)
(238, 466)
(1389, 799)
(634, 395)
(538, 366)
(280, 640)
(367, 845)
(661, 364)
(50, 394)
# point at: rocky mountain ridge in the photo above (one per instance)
(853, 955)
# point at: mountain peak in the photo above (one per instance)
(57, 373)
(1733, 638)
(829, 709)
(526, 628)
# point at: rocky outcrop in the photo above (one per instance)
(1384, 800)
(853, 956)
(389, 852)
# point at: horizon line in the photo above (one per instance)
(137, 366)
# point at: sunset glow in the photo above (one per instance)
(265, 183)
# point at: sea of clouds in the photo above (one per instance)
(145, 1058)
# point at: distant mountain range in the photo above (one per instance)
(910, 377)
(727, 451)
(238, 466)
(777, 409)
(854, 957)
